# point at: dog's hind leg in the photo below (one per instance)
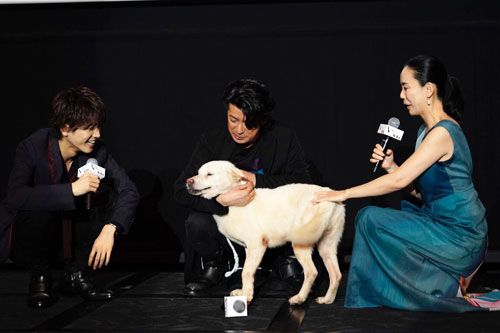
(327, 248)
(304, 256)
(254, 253)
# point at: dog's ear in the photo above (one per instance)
(238, 176)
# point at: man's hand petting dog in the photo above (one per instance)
(238, 196)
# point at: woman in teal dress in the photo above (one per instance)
(420, 258)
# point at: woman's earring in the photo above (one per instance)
(428, 101)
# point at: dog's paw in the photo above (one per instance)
(324, 300)
(237, 292)
(297, 300)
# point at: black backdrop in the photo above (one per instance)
(333, 68)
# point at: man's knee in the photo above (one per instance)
(199, 224)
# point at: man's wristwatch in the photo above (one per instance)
(114, 226)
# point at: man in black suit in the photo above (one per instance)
(269, 154)
(44, 189)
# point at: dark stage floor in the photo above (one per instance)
(153, 301)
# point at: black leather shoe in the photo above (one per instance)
(40, 292)
(290, 272)
(210, 277)
(78, 283)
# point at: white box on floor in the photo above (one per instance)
(235, 306)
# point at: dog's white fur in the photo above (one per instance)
(272, 218)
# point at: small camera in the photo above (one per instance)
(235, 306)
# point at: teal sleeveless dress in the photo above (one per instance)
(413, 258)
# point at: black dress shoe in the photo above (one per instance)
(290, 272)
(78, 283)
(210, 277)
(40, 292)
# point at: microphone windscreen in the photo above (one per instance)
(92, 161)
(394, 122)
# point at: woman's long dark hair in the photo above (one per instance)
(430, 69)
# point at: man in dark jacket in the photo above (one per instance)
(269, 154)
(46, 187)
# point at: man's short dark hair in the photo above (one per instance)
(77, 107)
(253, 99)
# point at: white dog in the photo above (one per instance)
(272, 218)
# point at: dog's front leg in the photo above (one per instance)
(254, 253)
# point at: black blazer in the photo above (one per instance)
(35, 183)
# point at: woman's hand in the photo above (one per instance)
(336, 196)
(387, 158)
(87, 183)
(238, 196)
(103, 245)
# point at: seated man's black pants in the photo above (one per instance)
(204, 241)
(38, 238)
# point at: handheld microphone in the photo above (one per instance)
(389, 131)
(88, 200)
(93, 168)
